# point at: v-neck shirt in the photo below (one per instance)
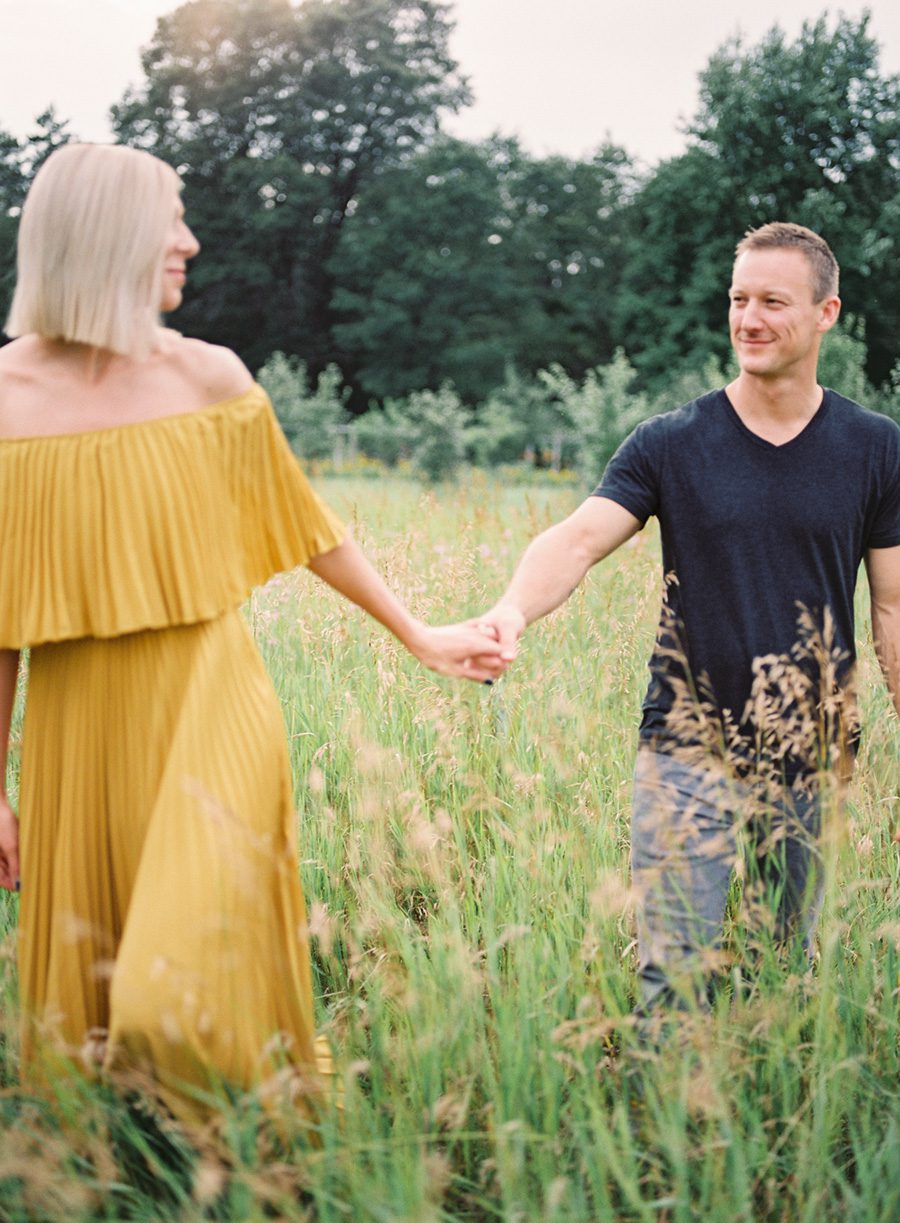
(761, 547)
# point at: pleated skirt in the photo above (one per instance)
(162, 923)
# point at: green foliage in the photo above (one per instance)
(886, 398)
(339, 224)
(523, 416)
(386, 433)
(689, 382)
(473, 257)
(602, 410)
(279, 114)
(438, 423)
(311, 417)
(421, 291)
(812, 129)
(49, 133)
(19, 162)
(551, 417)
(428, 430)
(842, 361)
(842, 366)
(12, 189)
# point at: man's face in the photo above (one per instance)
(775, 325)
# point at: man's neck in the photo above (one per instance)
(777, 409)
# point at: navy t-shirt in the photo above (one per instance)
(761, 548)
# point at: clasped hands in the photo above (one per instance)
(479, 649)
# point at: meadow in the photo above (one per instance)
(464, 852)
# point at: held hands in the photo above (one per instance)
(464, 651)
(9, 847)
(505, 623)
(479, 649)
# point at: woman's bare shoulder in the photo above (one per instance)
(216, 373)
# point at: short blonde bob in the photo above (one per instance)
(91, 248)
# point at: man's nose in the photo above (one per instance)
(751, 316)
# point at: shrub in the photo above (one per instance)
(887, 399)
(842, 361)
(690, 382)
(602, 410)
(310, 418)
(386, 433)
(429, 428)
(439, 421)
(520, 418)
(842, 366)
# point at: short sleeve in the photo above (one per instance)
(885, 528)
(632, 476)
(284, 521)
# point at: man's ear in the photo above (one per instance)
(829, 311)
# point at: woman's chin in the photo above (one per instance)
(170, 302)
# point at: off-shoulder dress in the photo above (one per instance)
(161, 915)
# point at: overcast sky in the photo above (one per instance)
(560, 74)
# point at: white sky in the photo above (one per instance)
(560, 74)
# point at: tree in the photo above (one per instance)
(277, 115)
(805, 131)
(422, 290)
(472, 258)
(12, 191)
(19, 162)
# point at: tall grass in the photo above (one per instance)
(464, 854)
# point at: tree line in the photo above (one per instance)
(342, 226)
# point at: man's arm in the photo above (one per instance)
(9, 826)
(554, 563)
(883, 568)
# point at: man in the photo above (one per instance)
(769, 494)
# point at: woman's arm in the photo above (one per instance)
(461, 650)
(9, 825)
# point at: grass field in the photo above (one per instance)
(464, 853)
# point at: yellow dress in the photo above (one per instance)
(161, 917)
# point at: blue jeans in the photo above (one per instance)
(690, 826)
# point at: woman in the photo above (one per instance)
(145, 488)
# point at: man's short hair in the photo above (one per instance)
(785, 234)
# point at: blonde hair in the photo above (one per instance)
(91, 242)
(788, 235)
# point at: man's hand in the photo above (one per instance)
(468, 650)
(9, 847)
(506, 623)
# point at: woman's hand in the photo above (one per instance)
(9, 847)
(468, 650)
